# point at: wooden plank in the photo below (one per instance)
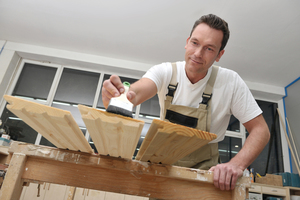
(56, 125)
(12, 185)
(112, 134)
(95, 195)
(119, 175)
(131, 166)
(117, 181)
(240, 192)
(166, 142)
(34, 192)
(71, 193)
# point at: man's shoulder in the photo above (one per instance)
(226, 73)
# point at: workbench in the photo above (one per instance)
(39, 164)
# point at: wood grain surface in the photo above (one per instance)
(167, 142)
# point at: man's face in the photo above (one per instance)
(202, 49)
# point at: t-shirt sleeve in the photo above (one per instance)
(159, 74)
(243, 106)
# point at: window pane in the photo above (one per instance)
(16, 128)
(150, 108)
(234, 124)
(141, 139)
(77, 87)
(123, 79)
(229, 147)
(35, 81)
(76, 115)
(273, 150)
(92, 145)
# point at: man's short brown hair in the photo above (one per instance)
(217, 23)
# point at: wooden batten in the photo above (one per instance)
(107, 173)
(112, 134)
(166, 142)
(56, 125)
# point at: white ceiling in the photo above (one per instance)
(263, 47)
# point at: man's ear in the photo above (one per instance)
(187, 41)
(220, 55)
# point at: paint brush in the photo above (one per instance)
(121, 105)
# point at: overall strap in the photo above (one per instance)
(206, 96)
(173, 83)
(174, 74)
(171, 89)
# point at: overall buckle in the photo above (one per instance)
(171, 90)
(206, 98)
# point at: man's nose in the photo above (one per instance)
(199, 52)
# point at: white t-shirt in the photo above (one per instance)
(230, 95)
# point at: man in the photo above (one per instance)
(195, 94)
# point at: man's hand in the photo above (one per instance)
(226, 175)
(113, 87)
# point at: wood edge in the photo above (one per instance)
(85, 110)
(11, 100)
(114, 163)
(181, 129)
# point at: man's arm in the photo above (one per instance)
(138, 92)
(226, 175)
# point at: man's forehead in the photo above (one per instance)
(210, 35)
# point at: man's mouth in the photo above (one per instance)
(195, 61)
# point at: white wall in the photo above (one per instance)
(13, 52)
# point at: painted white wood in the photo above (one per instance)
(72, 58)
(2, 44)
(8, 63)
(266, 92)
(285, 148)
(94, 195)
(114, 196)
(260, 91)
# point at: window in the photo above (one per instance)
(270, 160)
(75, 87)
(229, 147)
(34, 83)
(234, 124)
(16, 128)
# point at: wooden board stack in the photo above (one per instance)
(166, 142)
(56, 125)
(112, 134)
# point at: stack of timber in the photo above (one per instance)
(112, 134)
(166, 142)
(56, 125)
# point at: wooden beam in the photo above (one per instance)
(12, 185)
(112, 134)
(120, 175)
(118, 181)
(167, 142)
